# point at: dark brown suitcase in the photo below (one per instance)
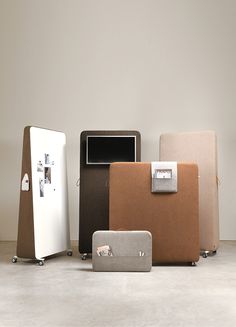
(172, 218)
(94, 193)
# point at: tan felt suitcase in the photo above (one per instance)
(172, 218)
(199, 147)
(129, 251)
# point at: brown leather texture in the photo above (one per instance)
(25, 239)
(172, 218)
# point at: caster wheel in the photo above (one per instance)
(204, 255)
(84, 256)
(41, 263)
(69, 253)
(193, 264)
(14, 259)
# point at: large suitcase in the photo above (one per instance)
(43, 225)
(127, 251)
(172, 218)
(94, 182)
(199, 147)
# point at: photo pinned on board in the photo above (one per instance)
(41, 187)
(47, 175)
(39, 166)
(47, 158)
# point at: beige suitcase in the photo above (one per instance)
(172, 218)
(199, 147)
(122, 251)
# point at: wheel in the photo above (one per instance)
(84, 256)
(41, 262)
(69, 253)
(14, 259)
(204, 255)
(193, 264)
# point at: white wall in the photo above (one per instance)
(155, 66)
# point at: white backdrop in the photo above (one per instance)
(154, 66)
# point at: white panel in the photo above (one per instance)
(49, 185)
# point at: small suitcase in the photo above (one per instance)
(199, 147)
(172, 218)
(122, 251)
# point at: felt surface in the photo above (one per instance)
(201, 148)
(125, 247)
(172, 218)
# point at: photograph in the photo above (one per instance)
(47, 158)
(47, 175)
(39, 166)
(118, 155)
(41, 187)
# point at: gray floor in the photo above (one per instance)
(66, 292)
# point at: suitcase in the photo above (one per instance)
(199, 147)
(94, 193)
(122, 251)
(43, 224)
(172, 218)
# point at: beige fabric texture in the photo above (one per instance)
(125, 247)
(201, 148)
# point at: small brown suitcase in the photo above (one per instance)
(172, 218)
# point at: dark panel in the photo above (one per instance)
(94, 191)
(108, 149)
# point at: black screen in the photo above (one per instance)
(107, 149)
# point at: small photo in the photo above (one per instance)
(47, 158)
(41, 187)
(40, 166)
(47, 175)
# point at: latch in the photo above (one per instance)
(164, 176)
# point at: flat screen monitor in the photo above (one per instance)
(105, 149)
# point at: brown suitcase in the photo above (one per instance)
(201, 148)
(172, 218)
